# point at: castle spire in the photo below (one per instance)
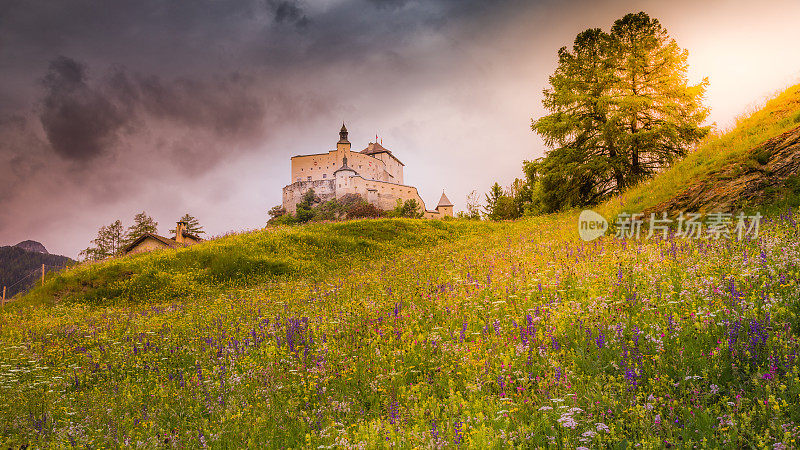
(343, 135)
(444, 201)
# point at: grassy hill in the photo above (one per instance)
(724, 157)
(424, 334)
(239, 261)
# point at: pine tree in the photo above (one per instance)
(658, 110)
(142, 223)
(192, 225)
(621, 110)
(500, 205)
(90, 254)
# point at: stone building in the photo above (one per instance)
(374, 173)
(149, 241)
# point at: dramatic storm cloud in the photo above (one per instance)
(110, 108)
(80, 122)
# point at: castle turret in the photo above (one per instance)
(343, 146)
(445, 206)
(342, 176)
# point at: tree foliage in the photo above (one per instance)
(503, 204)
(109, 242)
(473, 211)
(192, 225)
(621, 109)
(312, 209)
(409, 208)
(142, 223)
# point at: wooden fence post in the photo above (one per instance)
(42, 274)
(4, 297)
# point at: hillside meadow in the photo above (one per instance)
(732, 150)
(412, 333)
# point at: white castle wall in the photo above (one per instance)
(293, 193)
(378, 178)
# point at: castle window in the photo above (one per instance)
(324, 175)
(309, 178)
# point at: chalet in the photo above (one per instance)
(150, 241)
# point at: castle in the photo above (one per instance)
(373, 173)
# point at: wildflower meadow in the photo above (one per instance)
(502, 334)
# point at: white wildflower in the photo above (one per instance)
(567, 421)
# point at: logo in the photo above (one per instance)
(591, 225)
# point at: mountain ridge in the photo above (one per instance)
(32, 246)
(21, 264)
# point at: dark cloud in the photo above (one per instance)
(393, 4)
(80, 122)
(84, 119)
(228, 106)
(289, 12)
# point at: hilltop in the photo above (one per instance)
(32, 246)
(430, 333)
(239, 261)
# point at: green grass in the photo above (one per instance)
(242, 260)
(422, 334)
(716, 154)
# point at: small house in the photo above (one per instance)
(149, 241)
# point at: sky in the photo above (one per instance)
(110, 108)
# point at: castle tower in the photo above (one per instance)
(342, 178)
(445, 206)
(343, 146)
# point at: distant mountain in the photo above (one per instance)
(21, 265)
(32, 246)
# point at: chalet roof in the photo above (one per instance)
(170, 243)
(192, 236)
(444, 201)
